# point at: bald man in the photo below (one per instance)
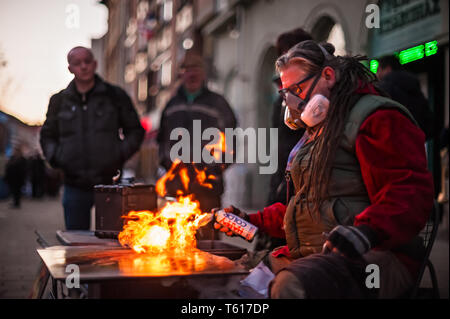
(81, 137)
(83, 66)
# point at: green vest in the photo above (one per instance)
(346, 189)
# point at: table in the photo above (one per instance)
(107, 270)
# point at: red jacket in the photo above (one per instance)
(391, 153)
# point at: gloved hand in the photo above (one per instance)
(350, 241)
(233, 210)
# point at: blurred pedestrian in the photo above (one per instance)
(37, 176)
(194, 101)
(15, 175)
(404, 87)
(81, 135)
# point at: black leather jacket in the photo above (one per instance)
(82, 137)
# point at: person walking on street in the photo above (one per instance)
(81, 135)
(37, 175)
(15, 175)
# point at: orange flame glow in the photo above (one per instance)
(177, 169)
(173, 228)
(170, 263)
(201, 178)
(184, 178)
(170, 175)
(217, 149)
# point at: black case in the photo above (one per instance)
(114, 201)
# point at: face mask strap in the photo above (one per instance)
(302, 103)
(327, 56)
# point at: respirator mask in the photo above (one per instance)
(294, 101)
(313, 114)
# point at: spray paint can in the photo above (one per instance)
(237, 225)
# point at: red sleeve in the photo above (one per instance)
(391, 152)
(270, 220)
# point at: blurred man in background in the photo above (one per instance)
(81, 135)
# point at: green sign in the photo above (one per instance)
(405, 23)
(431, 48)
(417, 52)
(373, 66)
(409, 55)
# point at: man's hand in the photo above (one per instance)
(233, 210)
(350, 241)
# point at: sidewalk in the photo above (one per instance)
(19, 260)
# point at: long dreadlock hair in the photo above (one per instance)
(351, 74)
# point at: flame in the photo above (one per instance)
(177, 169)
(217, 149)
(173, 228)
(201, 177)
(170, 175)
(184, 178)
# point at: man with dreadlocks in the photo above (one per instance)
(363, 192)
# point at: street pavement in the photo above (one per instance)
(19, 261)
(18, 258)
